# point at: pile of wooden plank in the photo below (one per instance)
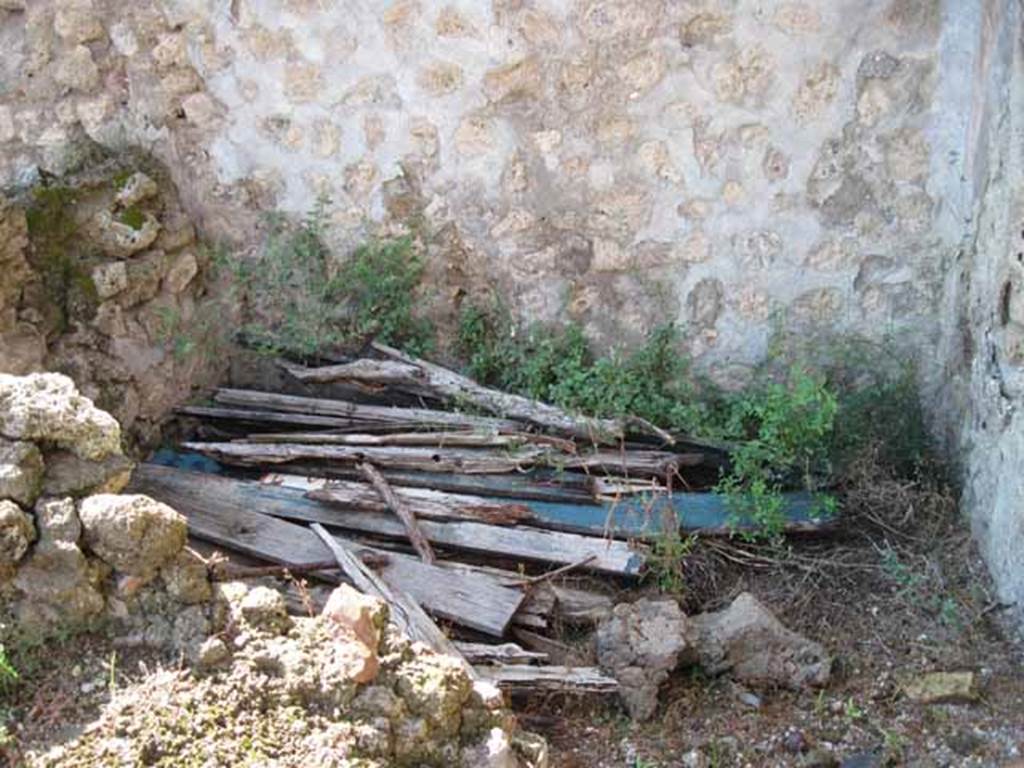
(460, 506)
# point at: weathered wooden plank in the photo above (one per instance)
(263, 417)
(393, 457)
(217, 513)
(524, 678)
(537, 484)
(520, 542)
(415, 418)
(504, 653)
(641, 516)
(422, 501)
(360, 371)
(441, 439)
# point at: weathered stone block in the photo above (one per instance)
(132, 533)
(21, 472)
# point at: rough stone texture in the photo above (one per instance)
(622, 128)
(641, 643)
(983, 351)
(119, 304)
(57, 520)
(21, 472)
(747, 640)
(68, 474)
(132, 533)
(838, 166)
(265, 609)
(943, 688)
(186, 578)
(58, 586)
(47, 407)
(298, 695)
(16, 533)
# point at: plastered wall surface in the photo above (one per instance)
(738, 166)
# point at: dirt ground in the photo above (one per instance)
(898, 592)
(891, 598)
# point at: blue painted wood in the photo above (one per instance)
(641, 517)
(631, 517)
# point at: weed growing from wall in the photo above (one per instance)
(794, 428)
(301, 304)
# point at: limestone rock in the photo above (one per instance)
(46, 407)
(358, 615)
(943, 688)
(640, 644)
(132, 533)
(264, 608)
(137, 188)
(110, 279)
(16, 533)
(58, 585)
(70, 475)
(186, 578)
(57, 520)
(21, 472)
(181, 272)
(121, 239)
(747, 641)
(212, 652)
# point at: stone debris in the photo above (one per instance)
(16, 533)
(46, 407)
(21, 472)
(132, 533)
(748, 642)
(642, 643)
(943, 688)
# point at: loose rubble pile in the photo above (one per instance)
(340, 689)
(644, 642)
(304, 691)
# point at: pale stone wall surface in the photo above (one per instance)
(735, 165)
(616, 162)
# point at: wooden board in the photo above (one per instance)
(382, 414)
(519, 542)
(524, 678)
(424, 502)
(228, 519)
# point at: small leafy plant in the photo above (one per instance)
(302, 304)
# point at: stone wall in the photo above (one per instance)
(984, 342)
(103, 280)
(616, 162)
(740, 166)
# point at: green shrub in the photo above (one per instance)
(301, 306)
(380, 279)
(781, 427)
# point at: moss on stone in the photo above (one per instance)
(56, 254)
(132, 217)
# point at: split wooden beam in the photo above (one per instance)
(521, 678)
(411, 418)
(457, 388)
(405, 611)
(402, 511)
(393, 457)
(423, 502)
(503, 653)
